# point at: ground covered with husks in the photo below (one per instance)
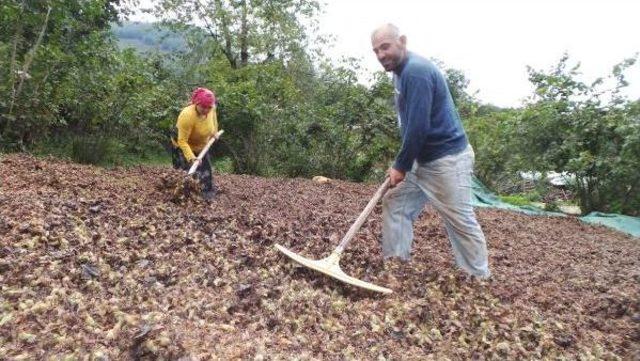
(113, 264)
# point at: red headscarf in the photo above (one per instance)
(203, 97)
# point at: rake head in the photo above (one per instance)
(331, 267)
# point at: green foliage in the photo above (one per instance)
(466, 103)
(67, 88)
(74, 80)
(490, 136)
(223, 165)
(573, 127)
(244, 31)
(45, 53)
(94, 149)
(278, 125)
(283, 115)
(568, 126)
(516, 200)
(552, 207)
(98, 149)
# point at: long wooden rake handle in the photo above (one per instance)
(355, 227)
(204, 150)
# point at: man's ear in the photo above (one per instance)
(403, 40)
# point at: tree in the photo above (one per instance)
(38, 39)
(244, 30)
(585, 130)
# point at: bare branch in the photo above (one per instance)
(30, 56)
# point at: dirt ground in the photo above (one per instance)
(111, 265)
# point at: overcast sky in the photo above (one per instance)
(492, 41)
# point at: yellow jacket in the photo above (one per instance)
(194, 130)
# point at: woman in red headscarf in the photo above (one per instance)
(197, 123)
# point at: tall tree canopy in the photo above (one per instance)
(245, 30)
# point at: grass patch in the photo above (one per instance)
(101, 150)
(110, 152)
(521, 199)
(222, 165)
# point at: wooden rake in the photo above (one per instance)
(331, 264)
(203, 152)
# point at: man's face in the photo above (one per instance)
(389, 50)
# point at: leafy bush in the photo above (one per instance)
(285, 109)
(568, 126)
(95, 150)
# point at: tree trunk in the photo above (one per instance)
(12, 67)
(228, 40)
(29, 60)
(244, 29)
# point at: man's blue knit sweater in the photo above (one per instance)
(429, 122)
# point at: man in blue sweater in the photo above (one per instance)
(435, 162)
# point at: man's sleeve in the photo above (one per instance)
(418, 93)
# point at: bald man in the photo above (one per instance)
(435, 162)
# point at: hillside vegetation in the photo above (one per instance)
(68, 88)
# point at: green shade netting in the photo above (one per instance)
(626, 224)
(482, 197)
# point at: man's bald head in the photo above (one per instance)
(389, 46)
(386, 30)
